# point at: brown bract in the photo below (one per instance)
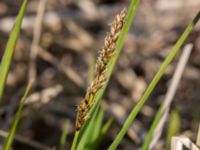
(100, 75)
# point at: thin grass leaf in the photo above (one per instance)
(94, 131)
(64, 136)
(9, 139)
(104, 130)
(105, 127)
(9, 51)
(161, 116)
(101, 133)
(89, 138)
(75, 140)
(154, 82)
(173, 126)
(78, 134)
(152, 128)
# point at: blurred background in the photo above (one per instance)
(59, 43)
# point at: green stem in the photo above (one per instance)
(75, 140)
(10, 47)
(9, 139)
(152, 129)
(64, 136)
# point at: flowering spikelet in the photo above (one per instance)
(100, 75)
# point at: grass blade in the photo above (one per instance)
(64, 136)
(161, 116)
(89, 138)
(75, 140)
(9, 139)
(173, 126)
(154, 82)
(78, 134)
(9, 51)
(152, 129)
(105, 127)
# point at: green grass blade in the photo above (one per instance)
(89, 138)
(101, 133)
(64, 136)
(106, 126)
(163, 109)
(104, 130)
(174, 126)
(78, 134)
(9, 51)
(75, 140)
(152, 128)
(9, 139)
(154, 82)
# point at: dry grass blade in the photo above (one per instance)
(36, 39)
(101, 65)
(180, 143)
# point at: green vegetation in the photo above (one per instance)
(93, 129)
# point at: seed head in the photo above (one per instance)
(105, 55)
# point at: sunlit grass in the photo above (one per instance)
(10, 47)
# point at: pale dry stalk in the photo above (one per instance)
(100, 75)
(36, 40)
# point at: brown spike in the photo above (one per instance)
(100, 76)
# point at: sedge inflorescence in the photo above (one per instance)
(100, 74)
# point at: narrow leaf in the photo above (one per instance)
(173, 126)
(9, 139)
(161, 116)
(64, 136)
(9, 51)
(89, 138)
(106, 127)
